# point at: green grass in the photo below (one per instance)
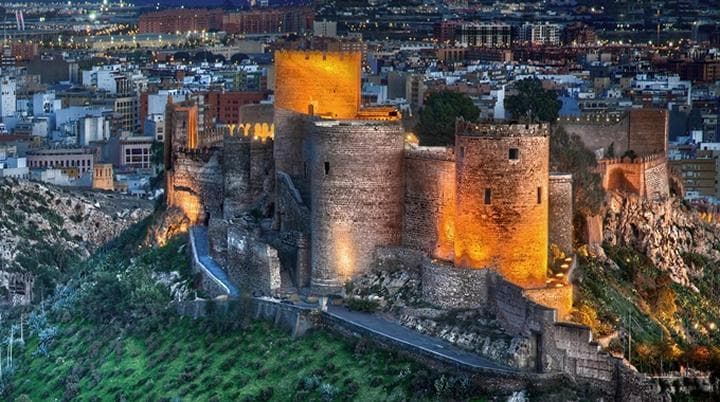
(189, 360)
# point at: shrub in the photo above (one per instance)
(364, 305)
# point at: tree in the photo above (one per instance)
(437, 117)
(532, 101)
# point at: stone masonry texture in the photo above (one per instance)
(356, 173)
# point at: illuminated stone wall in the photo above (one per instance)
(558, 298)
(645, 176)
(502, 203)
(356, 174)
(429, 221)
(195, 184)
(181, 128)
(450, 287)
(561, 212)
(324, 83)
(248, 173)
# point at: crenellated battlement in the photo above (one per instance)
(474, 129)
(647, 159)
(646, 176)
(315, 55)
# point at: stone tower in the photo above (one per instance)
(102, 178)
(357, 185)
(502, 173)
(318, 83)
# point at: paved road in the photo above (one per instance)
(430, 345)
(199, 235)
(369, 322)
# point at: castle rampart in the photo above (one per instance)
(561, 212)
(644, 131)
(646, 176)
(429, 221)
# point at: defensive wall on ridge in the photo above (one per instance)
(562, 346)
(644, 131)
(646, 176)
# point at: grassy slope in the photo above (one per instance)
(129, 346)
(185, 359)
(663, 313)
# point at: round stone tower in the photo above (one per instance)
(357, 191)
(502, 173)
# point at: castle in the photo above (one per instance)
(300, 195)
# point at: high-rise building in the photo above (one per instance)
(536, 33)
(485, 34)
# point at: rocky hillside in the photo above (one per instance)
(393, 287)
(44, 228)
(656, 278)
(664, 231)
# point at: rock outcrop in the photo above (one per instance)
(395, 285)
(663, 230)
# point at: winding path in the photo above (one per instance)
(200, 249)
(361, 322)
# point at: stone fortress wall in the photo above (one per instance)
(598, 130)
(248, 160)
(557, 345)
(195, 184)
(643, 131)
(429, 220)
(561, 212)
(646, 176)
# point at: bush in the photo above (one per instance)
(364, 305)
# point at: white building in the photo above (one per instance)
(45, 103)
(7, 97)
(155, 127)
(325, 29)
(92, 129)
